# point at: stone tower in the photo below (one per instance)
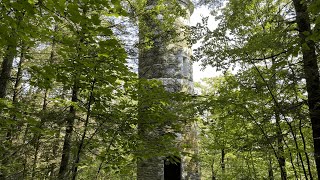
(167, 61)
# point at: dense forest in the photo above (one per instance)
(72, 104)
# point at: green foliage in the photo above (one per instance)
(266, 96)
(238, 117)
(161, 113)
(62, 47)
(69, 63)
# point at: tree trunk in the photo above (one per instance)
(213, 176)
(311, 71)
(305, 149)
(55, 148)
(17, 85)
(270, 170)
(77, 161)
(37, 135)
(281, 159)
(280, 140)
(4, 81)
(6, 70)
(223, 166)
(16, 90)
(68, 134)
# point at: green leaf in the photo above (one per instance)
(305, 46)
(31, 2)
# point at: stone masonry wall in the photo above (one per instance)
(171, 64)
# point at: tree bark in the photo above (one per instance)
(4, 81)
(68, 134)
(17, 85)
(223, 166)
(6, 70)
(16, 90)
(311, 71)
(81, 143)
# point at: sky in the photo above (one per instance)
(196, 17)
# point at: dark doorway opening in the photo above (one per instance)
(172, 168)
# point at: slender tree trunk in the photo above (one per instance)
(282, 159)
(17, 84)
(54, 153)
(15, 97)
(223, 166)
(270, 170)
(294, 79)
(24, 152)
(77, 161)
(311, 72)
(63, 171)
(4, 82)
(280, 140)
(300, 176)
(5, 76)
(305, 150)
(288, 123)
(213, 176)
(37, 135)
(293, 166)
(6, 70)
(17, 87)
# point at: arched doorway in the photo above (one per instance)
(172, 168)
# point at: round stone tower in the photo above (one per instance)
(167, 60)
(165, 56)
